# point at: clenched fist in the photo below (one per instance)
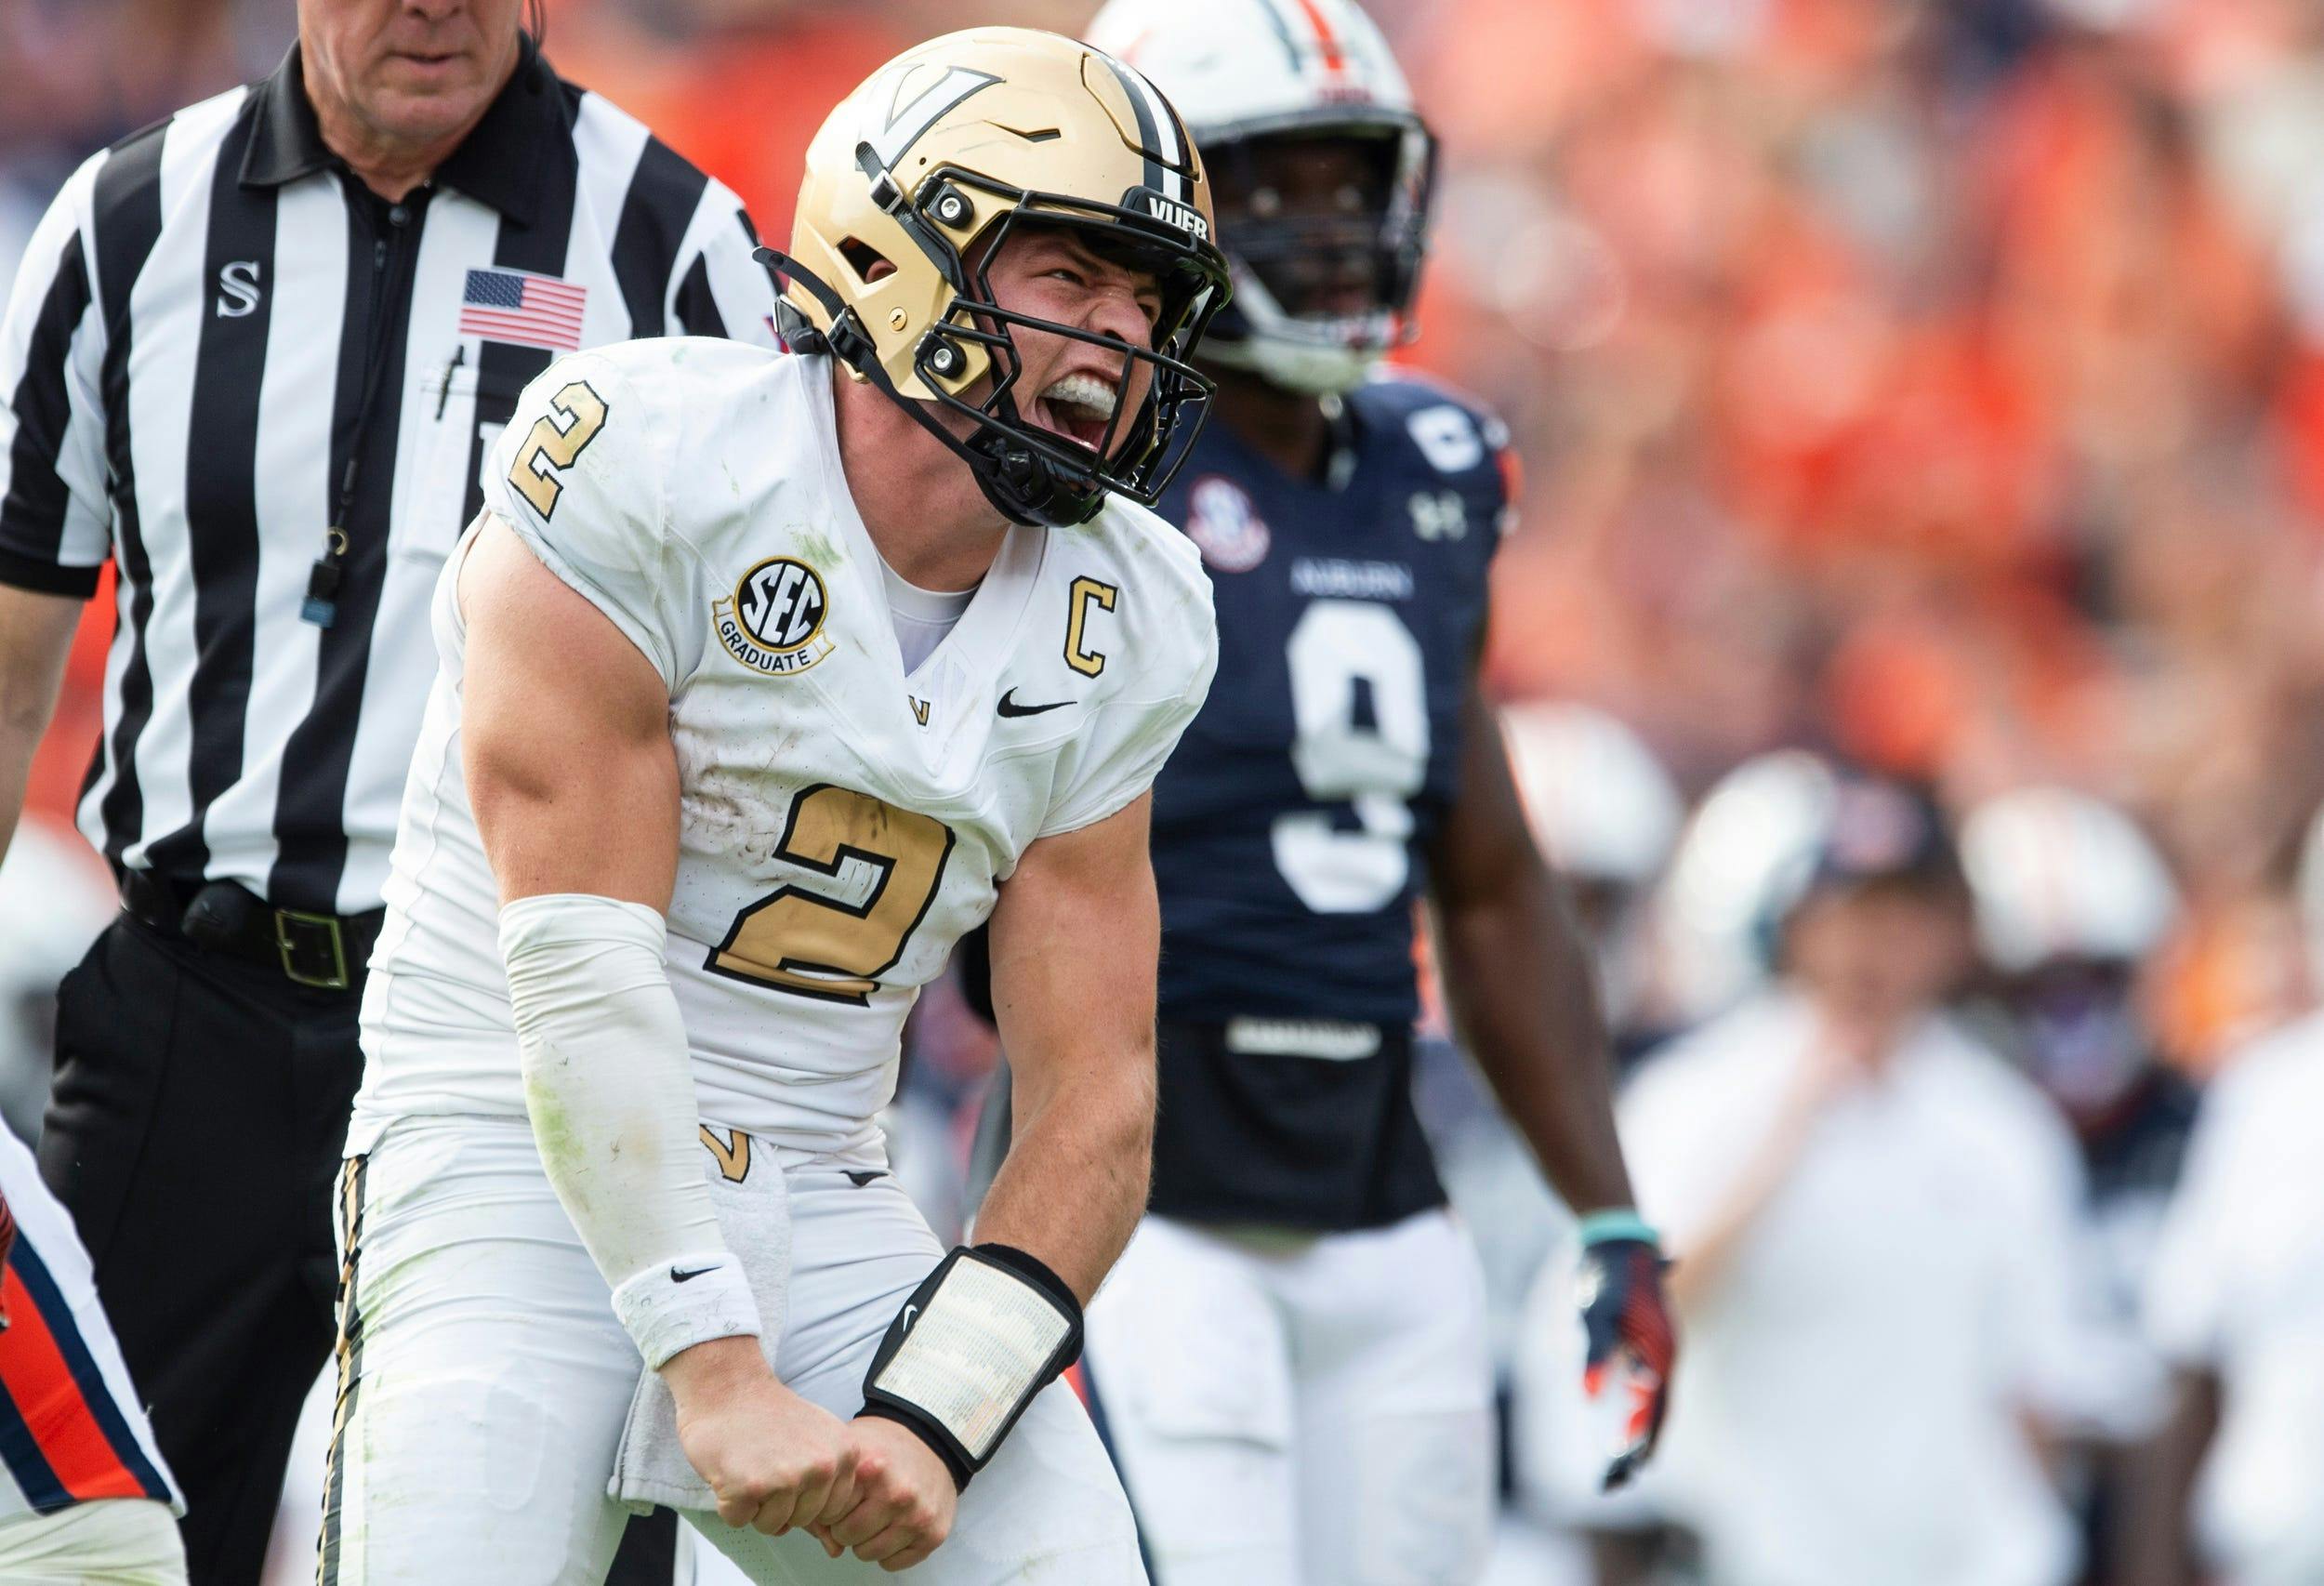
(773, 1459)
(905, 1498)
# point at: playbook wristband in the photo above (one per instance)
(983, 1334)
(692, 1299)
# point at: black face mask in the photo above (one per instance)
(2082, 1035)
(1321, 262)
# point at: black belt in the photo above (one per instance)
(325, 952)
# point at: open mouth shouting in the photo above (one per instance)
(1079, 407)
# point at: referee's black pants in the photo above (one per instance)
(194, 1130)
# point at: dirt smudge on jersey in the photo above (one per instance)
(723, 807)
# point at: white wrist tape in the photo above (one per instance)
(610, 1091)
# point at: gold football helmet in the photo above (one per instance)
(916, 181)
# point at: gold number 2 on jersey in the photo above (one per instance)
(814, 944)
(549, 446)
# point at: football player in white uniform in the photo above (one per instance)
(765, 678)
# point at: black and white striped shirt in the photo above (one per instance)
(185, 358)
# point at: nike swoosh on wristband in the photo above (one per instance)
(1008, 705)
(678, 1276)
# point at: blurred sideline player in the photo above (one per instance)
(1872, 1218)
(2070, 900)
(84, 1493)
(1713, 933)
(1605, 814)
(1300, 1322)
(1603, 811)
(2236, 1305)
(765, 677)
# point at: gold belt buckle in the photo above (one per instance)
(336, 978)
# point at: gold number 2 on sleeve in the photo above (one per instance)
(550, 446)
(812, 944)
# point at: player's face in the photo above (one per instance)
(1305, 213)
(408, 71)
(1877, 956)
(1074, 387)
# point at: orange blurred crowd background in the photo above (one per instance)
(1941, 385)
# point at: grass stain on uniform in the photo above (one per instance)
(818, 547)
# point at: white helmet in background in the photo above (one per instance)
(2059, 874)
(1243, 72)
(1744, 860)
(1600, 804)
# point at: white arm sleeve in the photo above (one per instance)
(611, 1093)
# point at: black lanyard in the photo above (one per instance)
(322, 606)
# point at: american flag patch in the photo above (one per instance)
(522, 309)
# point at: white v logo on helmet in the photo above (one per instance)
(907, 121)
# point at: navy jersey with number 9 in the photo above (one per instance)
(1289, 828)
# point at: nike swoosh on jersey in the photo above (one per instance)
(1008, 705)
(676, 1276)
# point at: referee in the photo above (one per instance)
(257, 354)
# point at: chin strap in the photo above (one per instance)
(846, 339)
(1012, 478)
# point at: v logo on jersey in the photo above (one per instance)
(733, 1153)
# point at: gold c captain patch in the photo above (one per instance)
(1087, 593)
(774, 621)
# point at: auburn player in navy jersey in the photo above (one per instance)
(1290, 1359)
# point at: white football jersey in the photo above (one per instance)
(843, 822)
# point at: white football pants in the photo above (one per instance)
(488, 1380)
(108, 1541)
(1295, 1409)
